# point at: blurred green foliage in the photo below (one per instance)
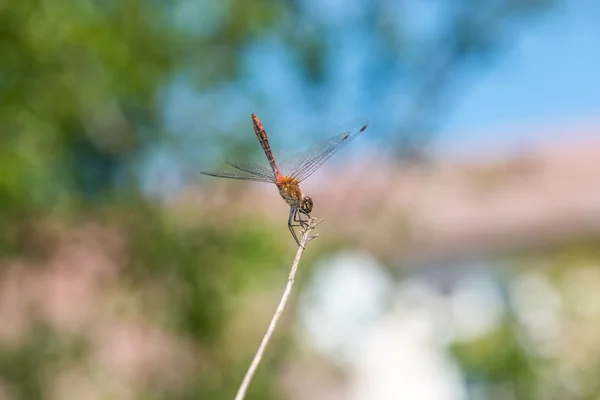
(79, 87)
(73, 77)
(555, 357)
(498, 361)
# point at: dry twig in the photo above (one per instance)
(309, 226)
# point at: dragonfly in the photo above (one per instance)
(289, 173)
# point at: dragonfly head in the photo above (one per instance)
(306, 205)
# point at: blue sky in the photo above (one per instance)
(550, 77)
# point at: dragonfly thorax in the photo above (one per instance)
(290, 191)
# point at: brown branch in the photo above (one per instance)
(309, 226)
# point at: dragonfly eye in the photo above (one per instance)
(307, 204)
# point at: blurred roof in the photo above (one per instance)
(449, 210)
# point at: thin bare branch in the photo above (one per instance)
(309, 226)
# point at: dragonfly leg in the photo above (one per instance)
(292, 218)
(298, 217)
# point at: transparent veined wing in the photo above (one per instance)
(245, 171)
(302, 165)
(253, 168)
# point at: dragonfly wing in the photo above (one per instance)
(253, 169)
(302, 165)
(244, 171)
(235, 175)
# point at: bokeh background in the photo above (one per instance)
(459, 256)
